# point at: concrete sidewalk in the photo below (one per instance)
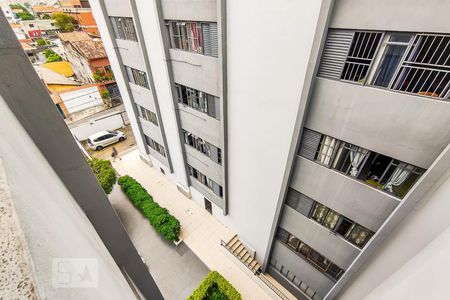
(200, 231)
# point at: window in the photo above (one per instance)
(197, 143)
(418, 64)
(358, 235)
(123, 28)
(328, 218)
(137, 77)
(155, 146)
(425, 69)
(216, 188)
(198, 100)
(382, 172)
(316, 259)
(195, 37)
(327, 148)
(299, 202)
(394, 49)
(349, 159)
(147, 115)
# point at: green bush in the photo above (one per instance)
(215, 287)
(160, 218)
(104, 172)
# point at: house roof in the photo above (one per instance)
(90, 49)
(43, 9)
(52, 77)
(74, 36)
(61, 67)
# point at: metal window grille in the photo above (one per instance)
(310, 255)
(123, 28)
(299, 202)
(198, 143)
(147, 115)
(360, 56)
(334, 53)
(425, 70)
(186, 36)
(154, 145)
(309, 143)
(195, 99)
(137, 77)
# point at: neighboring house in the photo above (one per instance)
(9, 14)
(34, 53)
(81, 11)
(61, 67)
(41, 10)
(39, 28)
(18, 31)
(68, 96)
(89, 61)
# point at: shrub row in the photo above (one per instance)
(211, 280)
(104, 172)
(160, 218)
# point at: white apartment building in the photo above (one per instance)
(311, 128)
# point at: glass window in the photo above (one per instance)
(282, 235)
(327, 148)
(359, 235)
(344, 226)
(304, 249)
(293, 242)
(299, 202)
(334, 271)
(320, 212)
(331, 219)
(393, 54)
(319, 260)
(349, 159)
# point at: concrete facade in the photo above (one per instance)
(270, 93)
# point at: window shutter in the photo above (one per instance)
(301, 203)
(309, 144)
(210, 39)
(334, 53)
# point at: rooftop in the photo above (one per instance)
(74, 36)
(43, 9)
(61, 67)
(52, 77)
(90, 49)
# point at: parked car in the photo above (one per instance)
(101, 139)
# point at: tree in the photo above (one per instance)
(52, 56)
(41, 42)
(24, 14)
(46, 17)
(65, 22)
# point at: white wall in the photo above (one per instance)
(154, 43)
(268, 51)
(81, 99)
(413, 262)
(53, 223)
(84, 130)
(120, 79)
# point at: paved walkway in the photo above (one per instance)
(176, 270)
(200, 231)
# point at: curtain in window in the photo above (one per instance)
(356, 157)
(393, 55)
(326, 150)
(399, 176)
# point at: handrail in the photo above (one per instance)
(259, 275)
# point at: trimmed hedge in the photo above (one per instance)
(160, 218)
(206, 290)
(104, 172)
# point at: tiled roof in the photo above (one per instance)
(74, 36)
(90, 49)
(43, 9)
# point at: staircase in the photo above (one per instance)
(235, 247)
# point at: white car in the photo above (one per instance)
(101, 139)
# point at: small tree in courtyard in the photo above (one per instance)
(65, 22)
